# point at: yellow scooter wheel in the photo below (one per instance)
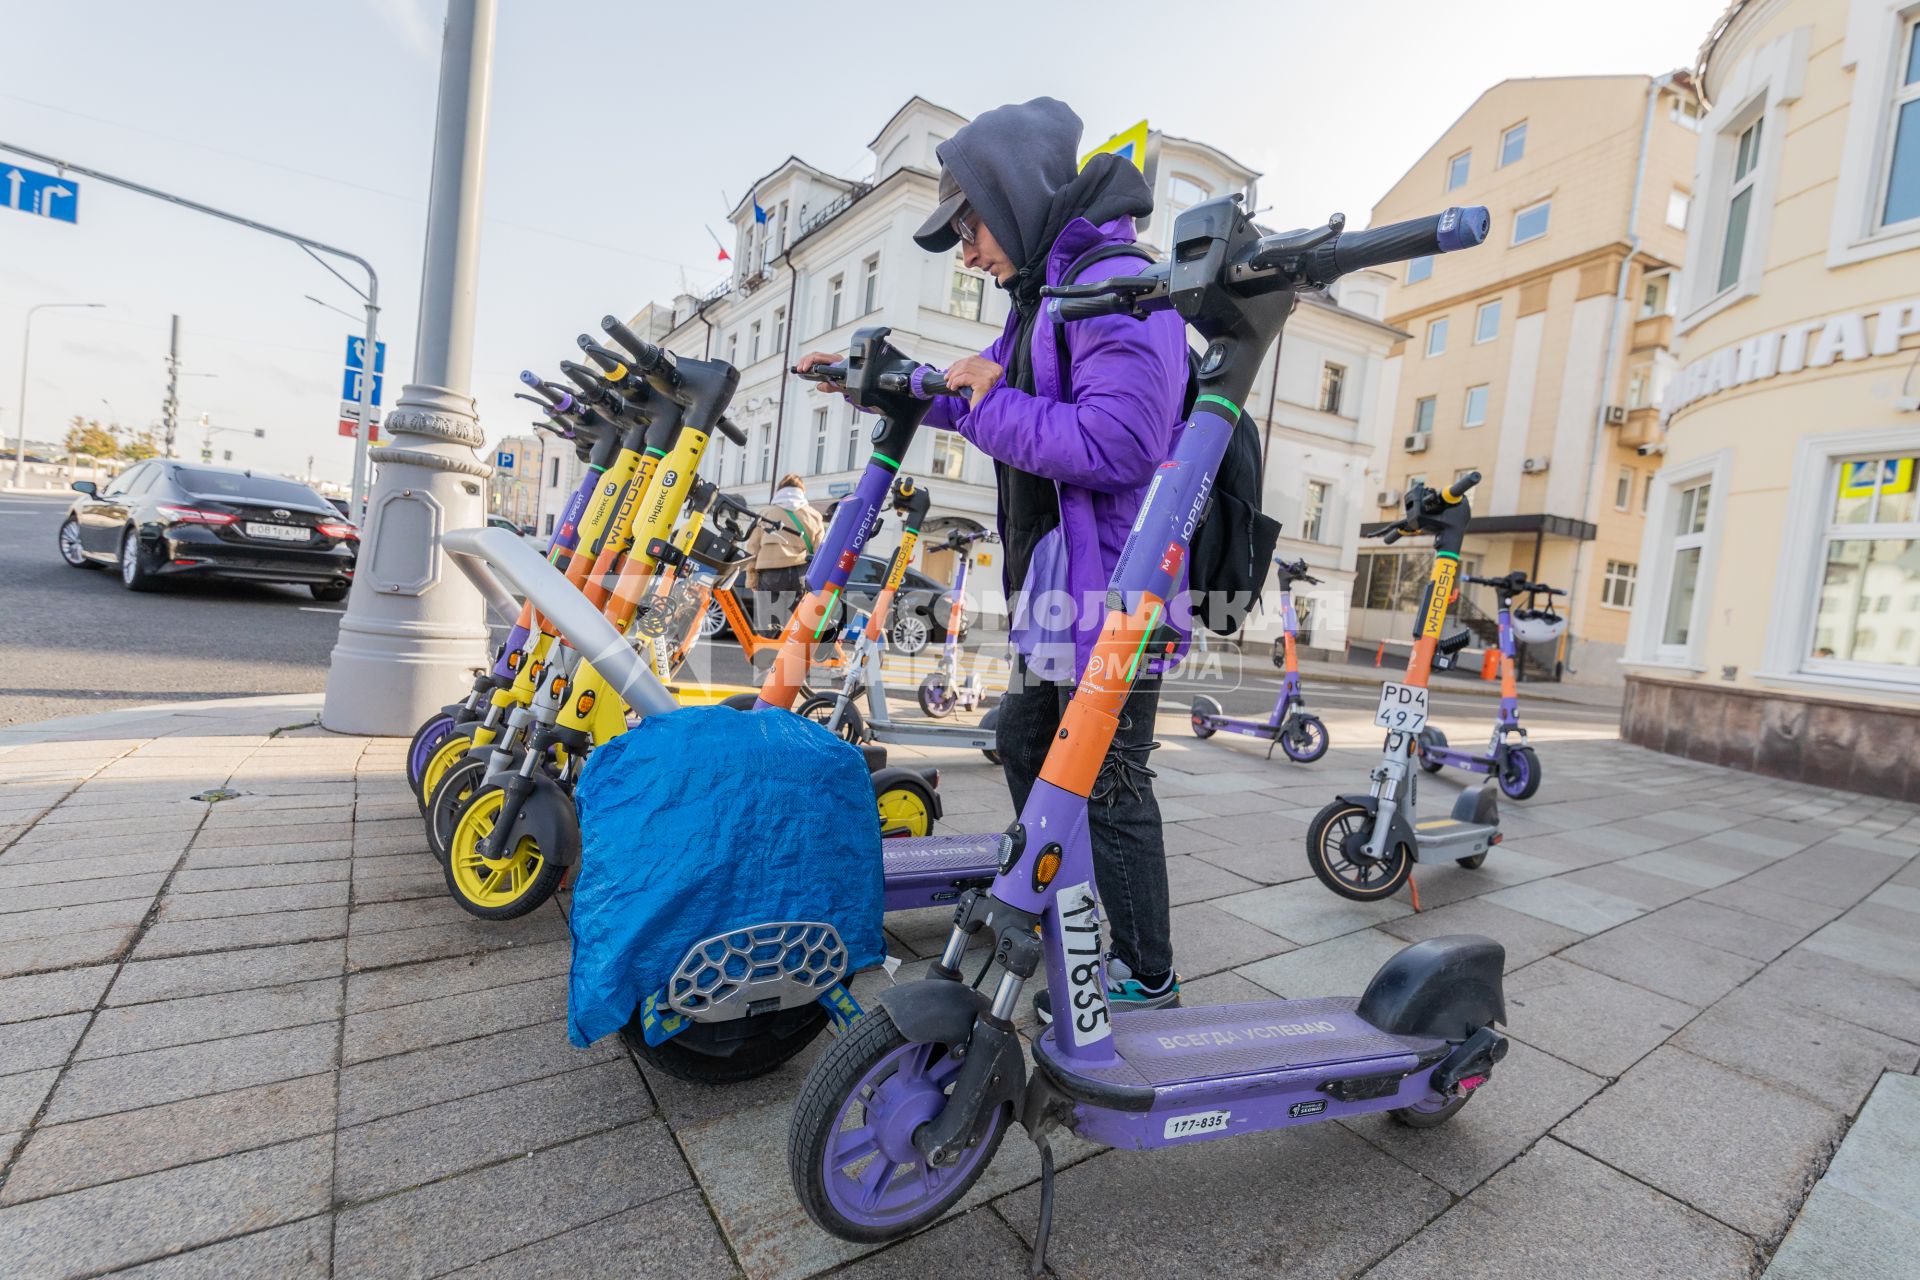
(906, 809)
(498, 888)
(443, 759)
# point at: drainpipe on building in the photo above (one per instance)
(786, 363)
(1583, 560)
(1266, 440)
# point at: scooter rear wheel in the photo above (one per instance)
(1334, 839)
(499, 888)
(457, 786)
(705, 1054)
(936, 696)
(1305, 740)
(1426, 738)
(906, 809)
(427, 739)
(850, 1149)
(1520, 774)
(1203, 707)
(1422, 1116)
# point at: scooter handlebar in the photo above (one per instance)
(836, 372)
(646, 357)
(727, 428)
(1458, 489)
(1444, 232)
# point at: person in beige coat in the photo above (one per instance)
(778, 569)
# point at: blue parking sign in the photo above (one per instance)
(350, 385)
(503, 459)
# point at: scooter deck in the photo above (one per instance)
(926, 871)
(1195, 1072)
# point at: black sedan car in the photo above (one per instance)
(165, 519)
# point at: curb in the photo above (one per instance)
(102, 723)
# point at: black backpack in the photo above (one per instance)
(1232, 551)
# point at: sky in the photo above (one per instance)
(615, 130)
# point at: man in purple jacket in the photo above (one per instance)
(1075, 436)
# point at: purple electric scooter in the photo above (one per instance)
(1515, 766)
(904, 1113)
(945, 690)
(1291, 727)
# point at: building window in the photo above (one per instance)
(819, 441)
(1685, 112)
(1437, 337)
(1313, 516)
(766, 451)
(1419, 269)
(1623, 489)
(1423, 414)
(1476, 414)
(552, 481)
(1654, 296)
(1678, 203)
(1182, 194)
(853, 439)
(1486, 321)
(1871, 565)
(1646, 494)
(1902, 202)
(1513, 144)
(834, 289)
(1637, 386)
(1689, 545)
(1333, 381)
(733, 350)
(740, 471)
(1457, 169)
(870, 286)
(753, 342)
(780, 313)
(949, 454)
(1616, 586)
(1733, 245)
(1531, 223)
(967, 295)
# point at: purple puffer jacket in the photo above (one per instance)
(1129, 379)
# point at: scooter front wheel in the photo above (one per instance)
(1305, 740)
(1205, 710)
(725, 1053)
(503, 888)
(936, 695)
(1520, 774)
(1334, 850)
(445, 802)
(427, 739)
(906, 809)
(1429, 738)
(445, 756)
(850, 1150)
(819, 709)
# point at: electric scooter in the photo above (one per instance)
(903, 1114)
(1291, 727)
(839, 710)
(1513, 764)
(944, 690)
(1364, 846)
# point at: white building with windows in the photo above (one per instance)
(833, 255)
(1778, 622)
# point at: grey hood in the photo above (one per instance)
(1010, 163)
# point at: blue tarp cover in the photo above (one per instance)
(707, 820)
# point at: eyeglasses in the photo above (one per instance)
(963, 226)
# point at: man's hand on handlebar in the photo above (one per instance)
(812, 359)
(974, 376)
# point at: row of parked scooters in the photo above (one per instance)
(906, 1109)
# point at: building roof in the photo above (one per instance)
(769, 175)
(1209, 147)
(1715, 33)
(1325, 302)
(903, 110)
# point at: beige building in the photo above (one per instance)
(1778, 626)
(1537, 358)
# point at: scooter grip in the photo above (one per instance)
(1455, 228)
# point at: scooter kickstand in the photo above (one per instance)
(1414, 888)
(1038, 1267)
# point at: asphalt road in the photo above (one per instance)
(72, 641)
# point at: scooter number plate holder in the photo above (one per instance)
(1402, 707)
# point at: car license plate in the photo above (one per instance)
(1402, 706)
(278, 532)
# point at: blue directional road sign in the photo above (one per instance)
(357, 354)
(350, 385)
(40, 194)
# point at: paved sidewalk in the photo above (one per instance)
(256, 1034)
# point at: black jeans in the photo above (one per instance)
(1129, 851)
(779, 595)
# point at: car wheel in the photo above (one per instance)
(71, 549)
(135, 573)
(713, 622)
(911, 633)
(328, 595)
